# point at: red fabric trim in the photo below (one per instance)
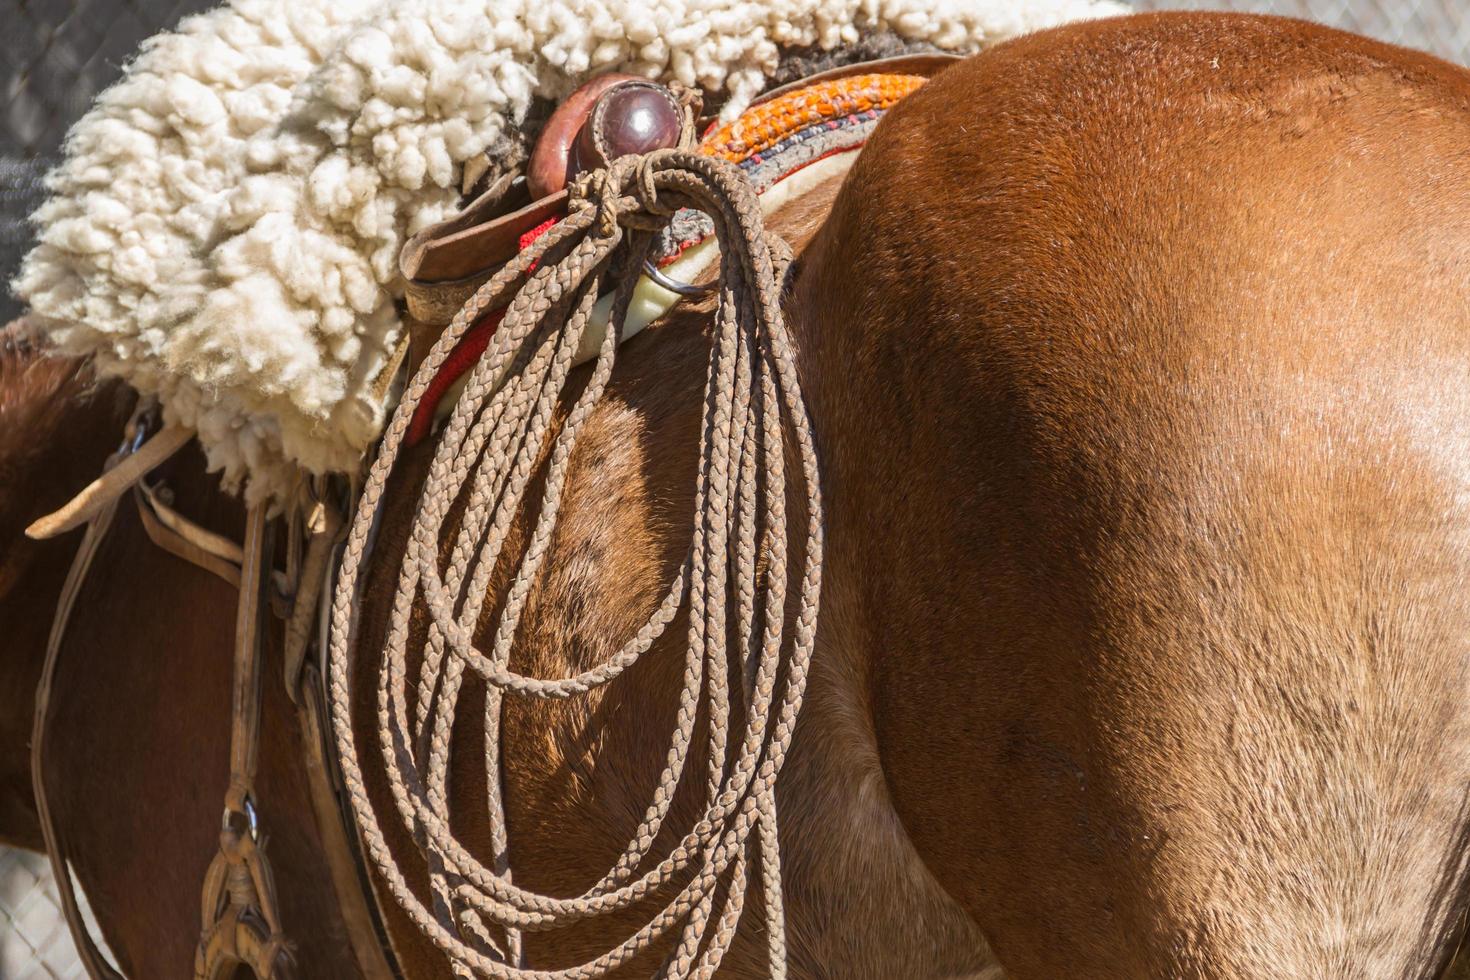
(459, 361)
(473, 344)
(535, 233)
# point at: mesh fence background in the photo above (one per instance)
(56, 55)
(35, 943)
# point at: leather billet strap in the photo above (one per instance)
(245, 694)
(320, 522)
(240, 921)
(324, 532)
(239, 912)
(350, 879)
(99, 515)
(357, 899)
(182, 538)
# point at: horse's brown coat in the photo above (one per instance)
(57, 425)
(1137, 353)
(1150, 458)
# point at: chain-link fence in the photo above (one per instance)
(56, 55)
(34, 941)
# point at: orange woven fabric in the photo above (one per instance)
(763, 126)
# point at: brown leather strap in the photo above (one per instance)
(240, 923)
(112, 483)
(233, 933)
(349, 875)
(245, 694)
(464, 246)
(160, 524)
(98, 968)
(324, 526)
(356, 897)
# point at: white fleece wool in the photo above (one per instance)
(224, 230)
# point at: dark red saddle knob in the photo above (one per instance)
(608, 117)
(633, 117)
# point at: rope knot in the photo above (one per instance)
(644, 169)
(595, 190)
(626, 192)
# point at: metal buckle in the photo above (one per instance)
(252, 822)
(137, 432)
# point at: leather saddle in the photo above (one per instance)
(607, 117)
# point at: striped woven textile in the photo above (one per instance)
(775, 139)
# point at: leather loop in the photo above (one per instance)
(162, 525)
(546, 171)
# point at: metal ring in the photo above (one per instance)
(252, 823)
(674, 285)
(133, 441)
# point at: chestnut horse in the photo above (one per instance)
(1138, 354)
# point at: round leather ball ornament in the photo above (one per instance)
(630, 117)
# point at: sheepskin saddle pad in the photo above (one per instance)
(225, 229)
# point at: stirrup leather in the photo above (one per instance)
(240, 921)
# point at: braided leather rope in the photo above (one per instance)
(500, 428)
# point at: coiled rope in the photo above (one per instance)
(489, 452)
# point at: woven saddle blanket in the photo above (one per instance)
(225, 228)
